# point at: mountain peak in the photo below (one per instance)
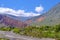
(52, 17)
(57, 5)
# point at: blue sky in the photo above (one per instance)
(28, 6)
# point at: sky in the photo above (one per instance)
(26, 8)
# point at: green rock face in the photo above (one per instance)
(52, 17)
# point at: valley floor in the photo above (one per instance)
(12, 36)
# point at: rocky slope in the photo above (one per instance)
(52, 17)
(4, 19)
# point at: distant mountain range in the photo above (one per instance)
(52, 17)
(9, 21)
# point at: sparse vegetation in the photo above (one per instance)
(3, 39)
(40, 32)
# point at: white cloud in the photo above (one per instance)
(17, 12)
(39, 9)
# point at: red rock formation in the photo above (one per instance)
(40, 19)
(28, 21)
(12, 22)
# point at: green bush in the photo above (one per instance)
(43, 31)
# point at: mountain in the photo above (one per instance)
(52, 17)
(35, 19)
(7, 20)
(18, 17)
